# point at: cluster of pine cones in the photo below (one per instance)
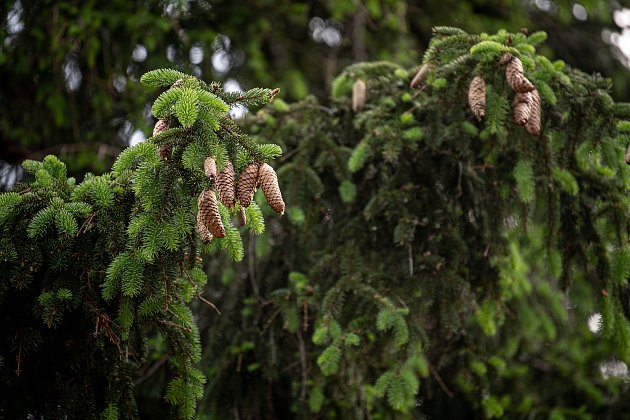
(229, 191)
(254, 175)
(526, 101)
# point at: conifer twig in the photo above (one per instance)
(303, 364)
(440, 382)
(18, 360)
(207, 302)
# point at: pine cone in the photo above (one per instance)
(477, 97)
(160, 126)
(210, 167)
(164, 151)
(421, 76)
(515, 77)
(628, 155)
(242, 218)
(505, 58)
(523, 103)
(209, 211)
(268, 181)
(359, 95)
(246, 185)
(533, 124)
(204, 233)
(225, 185)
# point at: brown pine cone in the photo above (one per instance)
(421, 76)
(209, 211)
(242, 218)
(628, 155)
(210, 167)
(164, 151)
(515, 77)
(533, 124)
(523, 103)
(268, 181)
(160, 126)
(505, 58)
(204, 233)
(359, 95)
(477, 97)
(225, 185)
(246, 185)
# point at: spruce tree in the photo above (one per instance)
(445, 245)
(95, 276)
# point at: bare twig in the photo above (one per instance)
(305, 317)
(303, 364)
(210, 304)
(440, 382)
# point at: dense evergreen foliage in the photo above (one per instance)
(430, 262)
(433, 264)
(73, 66)
(91, 273)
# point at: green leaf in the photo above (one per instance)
(382, 383)
(270, 151)
(255, 220)
(40, 221)
(492, 407)
(65, 222)
(537, 38)
(212, 101)
(524, 175)
(623, 126)
(161, 77)
(110, 413)
(316, 399)
(565, 180)
(489, 47)
(359, 156)
(347, 191)
(342, 86)
(132, 278)
(352, 340)
(187, 107)
(164, 104)
(620, 265)
(328, 361)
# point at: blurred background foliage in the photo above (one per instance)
(70, 69)
(69, 87)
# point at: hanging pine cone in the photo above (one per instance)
(477, 97)
(209, 210)
(246, 185)
(160, 126)
(421, 76)
(268, 181)
(533, 124)
(523, 103)
(505, 58)
(210, 167)
(359, 95)
(628, 155)
(165, 151)
(204, 233)
(515, 77)
(225, 185)
(242, 218)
